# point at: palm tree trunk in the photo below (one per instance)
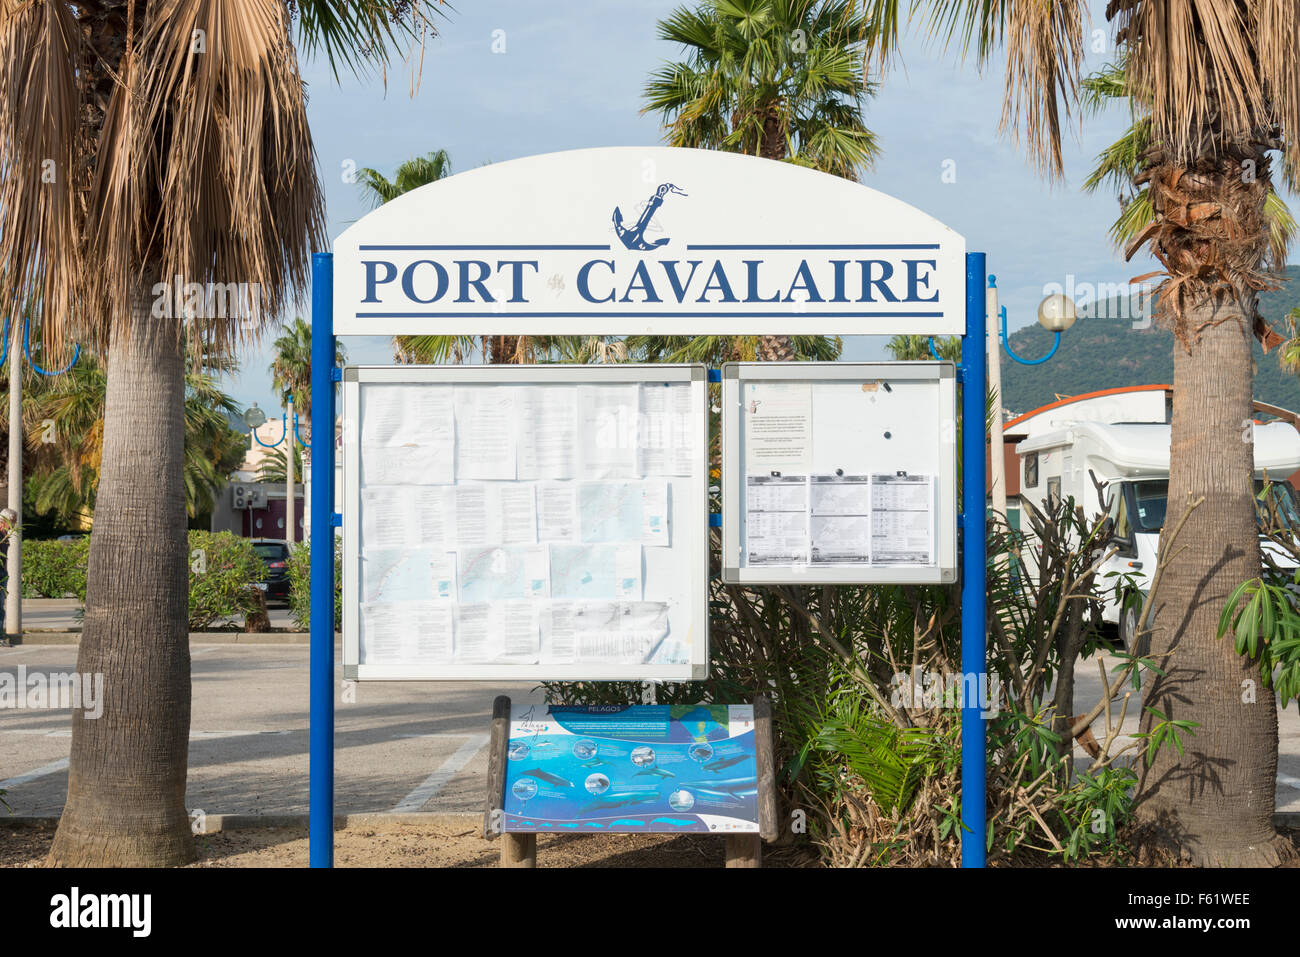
(1215, 804)
(126, 780)
(504, 350)
(773, 147)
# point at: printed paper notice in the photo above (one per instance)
(778, 428)
(557, 512)
(498, 573)
(665, 440)
(497, 633)
(485, 432)
(408, 631)
(623, 632)
(596, 571)
(902, 519)
(406, 574)
(624, 512)
(607, 430)
(407, 435)
(548, 432)
(840, 526)
(776, 519)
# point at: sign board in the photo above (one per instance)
(837, 472)
(635, 240)
(638, 768)
(530, 521)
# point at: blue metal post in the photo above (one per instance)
(974, 357)
(320, 826)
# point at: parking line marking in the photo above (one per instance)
(436, 781)
(1289, 781)
(52, 768)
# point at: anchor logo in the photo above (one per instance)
(634, 237)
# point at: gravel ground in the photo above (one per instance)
(444, 842)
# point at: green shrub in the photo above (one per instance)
(223, 570)
(300, 585)
(54, 569)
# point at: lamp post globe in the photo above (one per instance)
(1056, 312)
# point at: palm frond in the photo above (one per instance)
(40, 164)
(208, 171)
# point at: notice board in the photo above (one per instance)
(839, 472)
(637, 768)
(545, 522)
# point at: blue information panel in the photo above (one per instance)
(632, 768)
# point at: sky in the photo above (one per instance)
(570, 76)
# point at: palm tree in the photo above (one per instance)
(274, 465)
(781, 79)
(291, 367)
(144, 141)
(63, 418)
(411, 174)
(1216, 83)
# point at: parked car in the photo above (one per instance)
(275, 554)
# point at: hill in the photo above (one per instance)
(1100, 352)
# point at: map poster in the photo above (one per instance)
(654, 768)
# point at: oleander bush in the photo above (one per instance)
(224, 570)
(55, 569)
(300, 584)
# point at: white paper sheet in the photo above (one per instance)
(407, 435)
(407, 465)
(557, 636)
(515, 506)
(519, 630)
(547, 426)
(407, 414)
(485, 432)
(502, 572)
(902, 519)
(596, 571)
(624, 512)
(607, 430)
(776, 520)
(624, 632)
(666, 440)
(778, 427)
(557, 512)
(840, 526)
(477, 640)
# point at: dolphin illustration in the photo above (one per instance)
(633, 237)
(721, 763)
(659, 771)
(548, 777)
(621, 802)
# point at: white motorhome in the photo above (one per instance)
(1062, 457)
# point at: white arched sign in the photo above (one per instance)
(632, 240)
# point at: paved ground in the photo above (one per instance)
(399, 747)
(61, 614)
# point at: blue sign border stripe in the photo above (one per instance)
(817, 246)
(490, 246)
(655, 315)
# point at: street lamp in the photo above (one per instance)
(12, 351)
(290, 531)
(1056, 313)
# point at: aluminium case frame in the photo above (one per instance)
(697, 518)
(943, 571)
